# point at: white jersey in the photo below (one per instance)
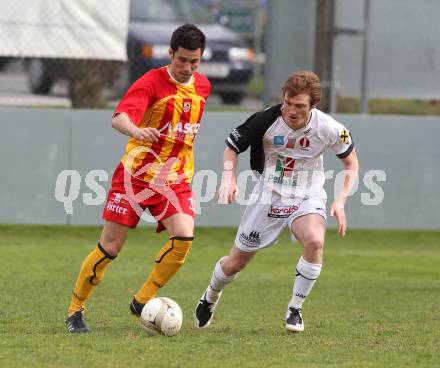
(291, 161)
(291, 166)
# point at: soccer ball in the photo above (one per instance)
(161, 315)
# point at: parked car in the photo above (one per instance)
(4, 60)
(227, 62)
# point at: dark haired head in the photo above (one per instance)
(188, 37)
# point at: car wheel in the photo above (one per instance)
(232, 97)
(38, 76)
(3, 62)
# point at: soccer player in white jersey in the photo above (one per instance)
(287, 144)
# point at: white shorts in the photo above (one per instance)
(262, 223)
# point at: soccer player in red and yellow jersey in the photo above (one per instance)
(161, 113)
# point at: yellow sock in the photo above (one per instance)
(168, 261)
(91, 274)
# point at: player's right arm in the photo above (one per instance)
(237, 142)
(130, 110)
(228, 187)
(122, 123)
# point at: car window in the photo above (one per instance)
(170, 11)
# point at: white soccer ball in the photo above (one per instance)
(161, 315)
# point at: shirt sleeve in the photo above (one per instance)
(340, 139)
(203, 85)
(243, 136)
(137, 99)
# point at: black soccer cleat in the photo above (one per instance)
(204, 312)
(75, 323)
(294, 321)
(136, 307)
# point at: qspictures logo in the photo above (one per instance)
(90, 189)
(158, 186)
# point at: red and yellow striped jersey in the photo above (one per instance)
(158, 101)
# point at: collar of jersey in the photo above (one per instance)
(176, 81)
(305, 127)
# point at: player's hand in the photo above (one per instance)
(228, 190)
(147, 135)
(337, 210)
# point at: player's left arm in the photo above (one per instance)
(351, 169)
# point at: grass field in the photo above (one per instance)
(375, 305)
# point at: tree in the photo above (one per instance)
(87, 81)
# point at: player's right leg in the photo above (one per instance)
(257, 230)
(225, 271)
(92, 272)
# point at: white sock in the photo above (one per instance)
(306, 275)
(218, 281)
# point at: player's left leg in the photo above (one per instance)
(309, 229)
(170, 258)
